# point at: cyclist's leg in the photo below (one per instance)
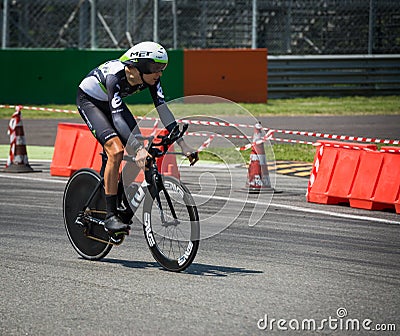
(126, 120)
(130, 171)
(114, 150)
(94, 113)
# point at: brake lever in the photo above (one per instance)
(175, 134)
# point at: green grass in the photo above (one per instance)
(282, 152)
(327, 106)
(294, 152)
(34, 152)
(287, 107)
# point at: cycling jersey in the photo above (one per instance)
(101, 92)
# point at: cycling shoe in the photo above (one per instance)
(126, 216)
(115, 224)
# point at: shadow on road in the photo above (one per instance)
(194, 269)
(220, 271)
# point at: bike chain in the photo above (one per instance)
(106, 241)
(110, 242)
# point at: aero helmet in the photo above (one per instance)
(147, 57)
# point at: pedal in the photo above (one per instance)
(89, 223)
(85, 220)
(118, 237)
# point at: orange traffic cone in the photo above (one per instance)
(17, 161)
(169, 164)
(258, 174)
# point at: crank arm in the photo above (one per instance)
(110, 242)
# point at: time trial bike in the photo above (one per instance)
(170, 218)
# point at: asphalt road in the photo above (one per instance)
(301, 263)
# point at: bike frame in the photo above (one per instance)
(152, 183)
(152, 175)
(153, 179)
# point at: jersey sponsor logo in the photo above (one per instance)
(160, 92)
(105, 67)
(116, 101)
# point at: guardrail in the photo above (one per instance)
(333, 75)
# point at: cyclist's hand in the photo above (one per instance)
(193, 157)
(190, 153)
(140, 158)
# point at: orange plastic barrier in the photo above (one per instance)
(356, 174)
(236, 74)
(363, 190)
(75, 147)
(337, 168)
(384, 190)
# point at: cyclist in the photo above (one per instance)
(99, 102)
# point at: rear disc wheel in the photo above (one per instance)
(77, 192)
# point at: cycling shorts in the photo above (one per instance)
(97, 116)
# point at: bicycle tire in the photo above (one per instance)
(77, 191)
(182, 239)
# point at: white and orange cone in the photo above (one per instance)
(258, 174)
(17, 161)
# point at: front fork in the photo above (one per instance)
(157, 185)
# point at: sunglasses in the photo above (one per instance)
(157, 67)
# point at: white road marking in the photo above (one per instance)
(306, 210)
(232, 199)
(32, 178)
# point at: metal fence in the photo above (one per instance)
(333, 75)
(285, 27)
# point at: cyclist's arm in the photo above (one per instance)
(166, 116)
(168, 119)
